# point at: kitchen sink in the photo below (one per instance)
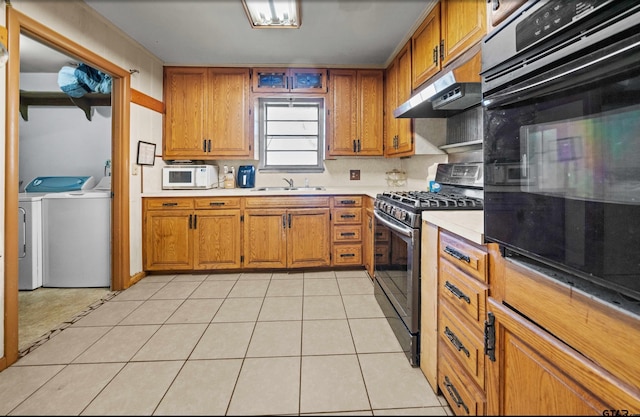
(288, 189)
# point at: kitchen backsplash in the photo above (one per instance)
(336, 174)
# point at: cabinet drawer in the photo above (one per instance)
(463, 343)
(463, 396)
(347, 254)
(347, 215)
(220, 202)
(466, 295)
(347, 201)
(168, 203)
(348, 233)
(464, 255)
(286, 202)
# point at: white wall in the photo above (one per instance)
(60, 140)
(75, 20)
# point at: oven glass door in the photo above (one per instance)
(562, 166)
(397, 270)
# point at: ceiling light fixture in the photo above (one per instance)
(282, 14)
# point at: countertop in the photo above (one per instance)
(466, 223)
(371, 191)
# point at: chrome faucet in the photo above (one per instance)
(289, 181)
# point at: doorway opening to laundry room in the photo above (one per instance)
(18, 24)
(64, 214)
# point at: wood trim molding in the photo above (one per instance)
(18, 23)
(144, 100)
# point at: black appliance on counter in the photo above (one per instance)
(561, 91)
(397, 272)
(246, 176)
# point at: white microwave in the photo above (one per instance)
(189, 177)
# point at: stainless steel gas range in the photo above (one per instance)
(397, 264)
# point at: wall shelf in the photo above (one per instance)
(53, 98)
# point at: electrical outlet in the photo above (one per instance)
(354, 174)
(135, 169)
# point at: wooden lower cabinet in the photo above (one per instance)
(346, 225)
(524, 353)
(191, 234)
(557, 350)
(462, 293)
(286, 237)
(368, 244)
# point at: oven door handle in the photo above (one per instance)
(405, 231)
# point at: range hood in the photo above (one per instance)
(455, 89)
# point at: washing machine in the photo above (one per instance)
(29, 241)
(76, 232)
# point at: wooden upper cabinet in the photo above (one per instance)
(463, 24)
(207, 113)
(500, 10)
(289, 80)
(356, 113)
(185, 91)
(228, 113)
(425, 47)
(398, 132)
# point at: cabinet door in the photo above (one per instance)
(308, 80)
(270, 80)
(184, 119)
(265, 241)
(399, 135)
(217, 239)
(343, 118)
(525, 353)
(425, 44)
(390, 104)
(228, 113)
(370, 112)
(289, 80)
(463, 24)
(308, 237)
(404, 145)
(168, 242)
(368, 244)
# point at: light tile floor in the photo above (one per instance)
(303, 343)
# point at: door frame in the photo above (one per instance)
(18, 23)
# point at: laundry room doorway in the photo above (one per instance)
(19, 25)
(64, 253)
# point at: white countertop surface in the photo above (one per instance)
(248, 192)
(466, 223)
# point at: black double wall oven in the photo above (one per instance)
(561, 92)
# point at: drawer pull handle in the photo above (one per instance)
(169, 204)
(453, 392)
(455, 341)
(347, 255)
(347, 216)
(347, 201)
(216, 203)
(456, 291)
(456, 254)
(347, 234)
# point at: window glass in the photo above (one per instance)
(291, 134)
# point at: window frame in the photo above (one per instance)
(261, 106)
